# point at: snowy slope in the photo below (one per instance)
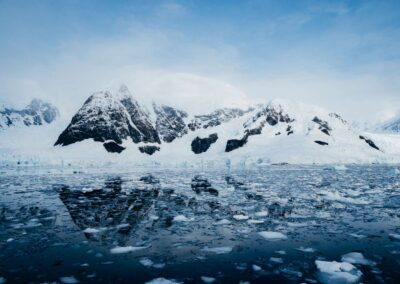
(35, 113)
(393, 125)
(278, 131)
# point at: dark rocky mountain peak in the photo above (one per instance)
(170, 122)
(106, 116)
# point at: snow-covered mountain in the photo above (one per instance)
(393, 125)
(278, 131)
(35, 113)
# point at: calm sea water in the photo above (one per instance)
(268, 224)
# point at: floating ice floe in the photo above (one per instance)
(87, 189)
(181, 218)
(276, 259)
(153, 217)
(358, 236)
(337, 272)
(261, 214)
(394, 237)
(91, 231)
(207, 279)
(356, 258)
(222, 222)
(255, 221)
(146, 262)
(291, 272)
(272, 236)
(119, 250)
(218, 250)
(162, 280)
(308, 250)
(336, 196)
(69, 280)
(240, 217)
(256, 268)
(149, 263)
(296, 225)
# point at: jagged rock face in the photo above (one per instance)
(36, 113)
(369, 142)
(140, 118)
(270, 114)
(113, 147)
(170, 122)
(273, 115)
(323, 126)
(233, 144)
(338, 117)
(201, 145)
(111, 118)
(322, 143)
(149, 149)
(105, 116)
(216, 118)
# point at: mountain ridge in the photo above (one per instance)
(37, 112)
(116, 118)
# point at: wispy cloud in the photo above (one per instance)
(342, 55)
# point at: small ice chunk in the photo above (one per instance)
(256, 268)
(308, 250)
(394, 236)
(297, 225)
(357, 236)
(261, 214)
(181, 218)
(272, 236)
(282, 252)
(240, 217)
(122, 226)
(9, 240)
(158, 265)
(2, 280)
(146, 262)
(153, 217)
(207, 279)
(68, 280)
(222, 222)
(337, 272)
(119, 250)
(356, 258)
(162, 280)
(218, 250)
(276, 259)
(91, 231)
(255, 221)
(336, 196)
(291, 272)
(87, 189)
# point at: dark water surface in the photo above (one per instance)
(190, 226)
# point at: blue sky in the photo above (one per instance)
(338, 54)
